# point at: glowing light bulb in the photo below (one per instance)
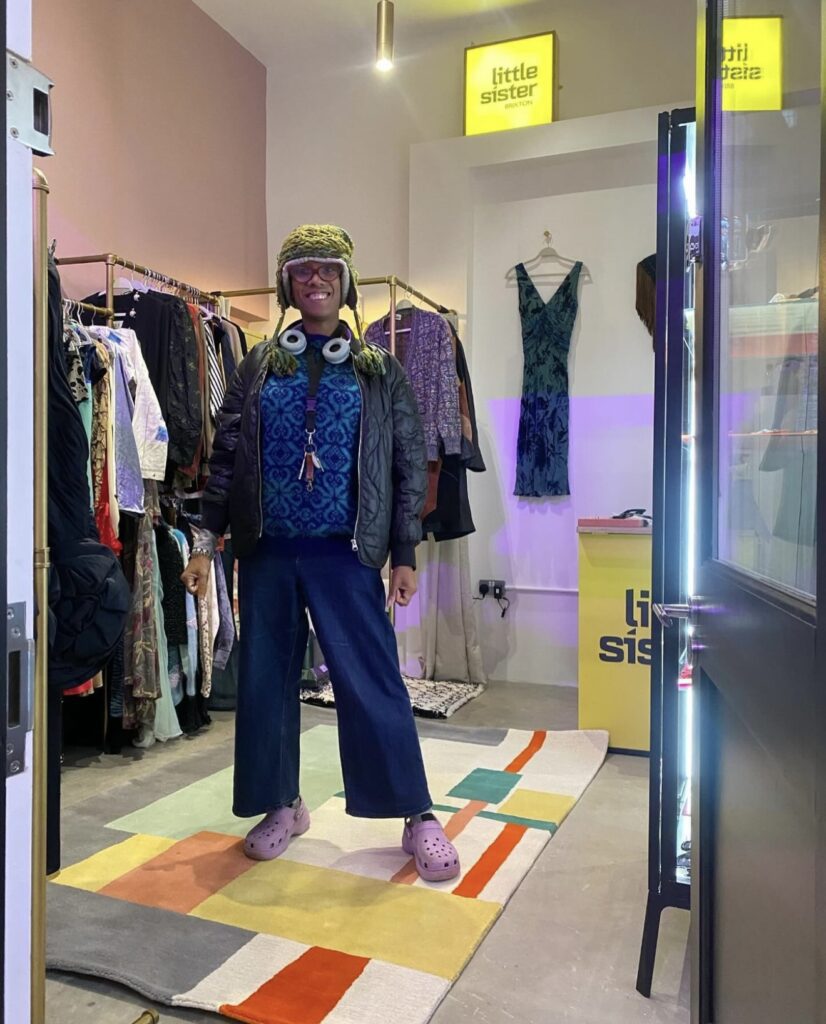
(384, 35)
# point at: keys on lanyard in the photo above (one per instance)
(311, 462)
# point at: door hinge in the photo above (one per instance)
(694, 241)
(28, 105)
(19, 688)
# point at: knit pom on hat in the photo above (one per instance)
(322, 243)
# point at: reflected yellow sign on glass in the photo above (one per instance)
(751, 64)
(509, 84)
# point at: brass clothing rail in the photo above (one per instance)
(396, 282)
(238, 293)
(111, 260)
(391, 281)
(87, 307)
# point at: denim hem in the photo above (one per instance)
(419, 809)
(266, 810)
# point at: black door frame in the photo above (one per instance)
(804, 635)
(664, 890)
(4, 348)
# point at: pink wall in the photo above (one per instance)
(160, 135)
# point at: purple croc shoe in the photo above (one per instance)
(435, 856)
(271, 837)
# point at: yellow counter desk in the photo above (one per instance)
(615, 630)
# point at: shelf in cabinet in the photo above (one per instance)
(775, 433)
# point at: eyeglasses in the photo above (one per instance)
(304, 272)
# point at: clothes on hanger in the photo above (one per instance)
(452, 518)
(88, 595)
(428, 357)
(239, 336)
(542, 445)
(429, 348)
(159, 665)
(169, 347)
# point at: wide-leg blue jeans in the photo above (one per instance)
(381, 757)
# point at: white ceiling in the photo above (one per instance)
(267, 27)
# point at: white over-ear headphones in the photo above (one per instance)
(294, 341)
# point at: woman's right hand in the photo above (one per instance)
(196, 575)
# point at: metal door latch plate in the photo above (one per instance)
(28, 105)
(20, 688)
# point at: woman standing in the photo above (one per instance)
(319, 468)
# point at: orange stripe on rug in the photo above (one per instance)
(491, 860)
(304, 992)
(185, 875)
(456, 824)
(535, 745)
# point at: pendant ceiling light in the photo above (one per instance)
(384, 35)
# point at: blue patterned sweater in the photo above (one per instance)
(329, 510)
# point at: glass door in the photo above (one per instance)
(669, 855)
(758, 681)
(685, 541)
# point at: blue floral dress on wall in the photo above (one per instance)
(542, 446)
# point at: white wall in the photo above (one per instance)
(339, 133)
(477, 206)
(532, 543)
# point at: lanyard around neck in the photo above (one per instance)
(310, 461)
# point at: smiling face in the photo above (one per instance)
(316, 291)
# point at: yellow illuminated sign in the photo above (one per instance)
(751, 64)
(509, 84)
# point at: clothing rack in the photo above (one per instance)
(111, 261)
(87, 307)
(394, 283)
(391, 281)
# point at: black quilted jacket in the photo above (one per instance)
(392, 464)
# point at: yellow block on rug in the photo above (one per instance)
(529, 803)
(401, 924)
(102, 868)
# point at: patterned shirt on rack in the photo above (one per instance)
(430, 363)
(217, 387)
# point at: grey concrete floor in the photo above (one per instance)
(566, 947)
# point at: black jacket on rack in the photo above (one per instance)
(88, 593)
(170, 350)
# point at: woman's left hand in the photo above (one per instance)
(402, 586)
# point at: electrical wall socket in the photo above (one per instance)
(492, 588)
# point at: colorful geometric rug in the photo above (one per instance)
(339, 929)
(429, 698)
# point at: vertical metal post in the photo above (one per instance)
(393, 288)
(110, 287)
(41, 594)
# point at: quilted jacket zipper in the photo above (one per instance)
(358, 459)
(259, 385)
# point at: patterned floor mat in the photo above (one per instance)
(430, 698)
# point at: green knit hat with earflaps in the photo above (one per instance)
(317, 242)
(320, 242)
